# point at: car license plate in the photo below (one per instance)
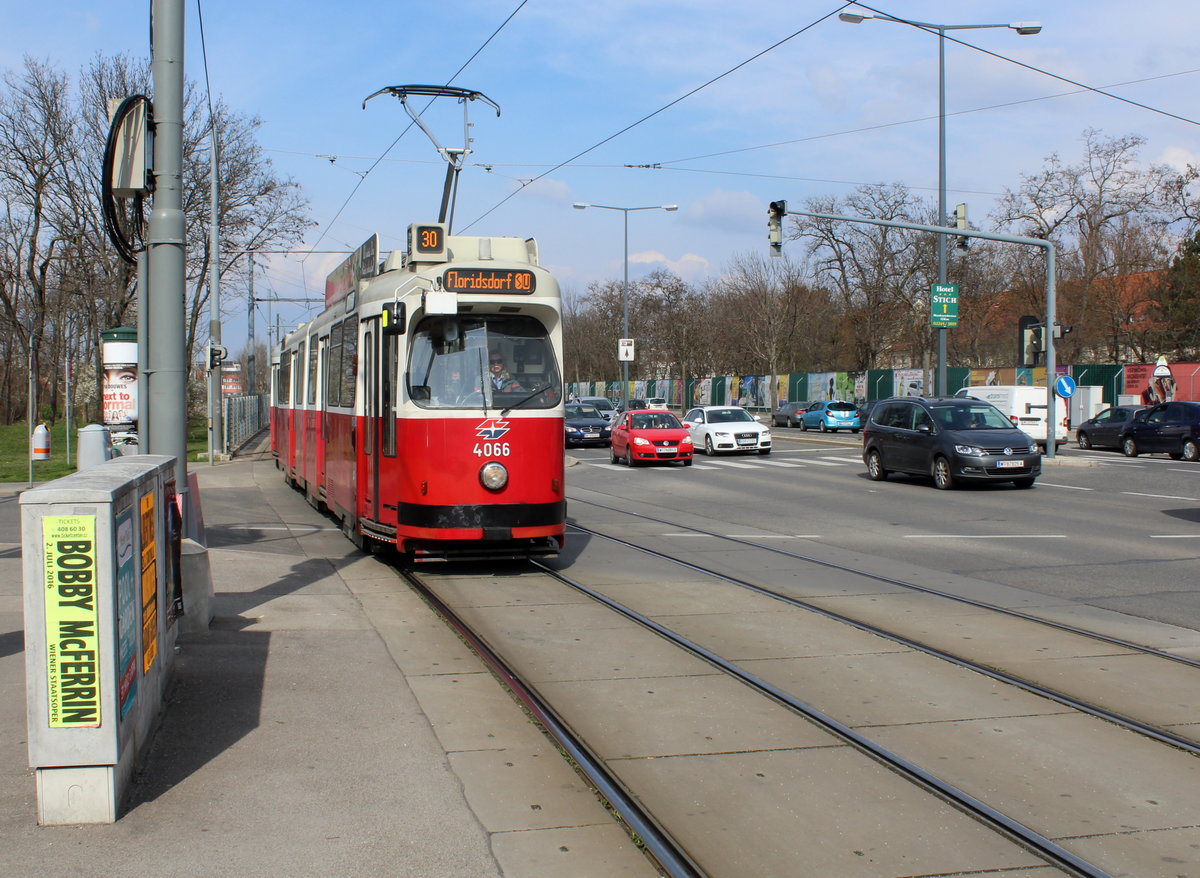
(750, 441)
(1010, 464)
(667, 449)
(591, 435)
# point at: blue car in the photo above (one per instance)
(585, 425)
(831, 415)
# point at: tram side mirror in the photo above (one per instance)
(393, 318)
(419, 392)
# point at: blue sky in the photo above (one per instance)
(834, 107)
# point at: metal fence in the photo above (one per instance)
(244, 418)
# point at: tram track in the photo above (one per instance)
(1050, 845)
(1187, 743)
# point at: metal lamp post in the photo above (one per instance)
(1024, 28)
(625, 289)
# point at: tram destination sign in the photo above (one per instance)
(489, 280)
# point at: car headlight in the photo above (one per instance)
(493, 476)
(765, 434)
(686, 440)
(640, 440)
(721, 435)
(969, 450)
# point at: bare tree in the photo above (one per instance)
(880, 274)
(60, 280)
(1109, 217)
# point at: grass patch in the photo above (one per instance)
(15, 448)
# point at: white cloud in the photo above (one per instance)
(1179, 157)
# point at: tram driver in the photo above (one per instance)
(498, 373)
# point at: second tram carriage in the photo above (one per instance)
(423, 406)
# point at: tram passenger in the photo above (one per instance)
(499, 375)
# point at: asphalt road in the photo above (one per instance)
(1101, 529)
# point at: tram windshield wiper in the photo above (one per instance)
(520, 402)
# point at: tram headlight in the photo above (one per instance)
(493, 476)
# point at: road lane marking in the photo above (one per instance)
(1175, 536)
(845, 459)
(985, 536)
(1071, 487)
(782, 463)
(1161, 496)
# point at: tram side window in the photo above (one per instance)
(390, 345)
(349, 360)
(311, 397)
(333, 368)
(283, 387)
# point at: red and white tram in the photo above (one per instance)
(423, 407)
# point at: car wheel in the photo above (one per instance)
(1129, 447)
(687, 461)
(1026, 482)
(764, 451)
(613, 451)
(821, 427)
(629, 456)
(708, 449)
(1191, 451)
(803, 426)
(875, 469)
(854, 429)
(1082, 440)
(943, 479)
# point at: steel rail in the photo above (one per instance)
(924, 589)
(1163, 737)
(1032, 840)
(668, 853)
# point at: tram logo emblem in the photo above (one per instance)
(492, 428)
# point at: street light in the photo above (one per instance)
(579, 205)
(1024, 28)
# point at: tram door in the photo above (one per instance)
(369, 485)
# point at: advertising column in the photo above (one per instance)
(118, 380)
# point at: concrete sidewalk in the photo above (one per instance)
(328, 724)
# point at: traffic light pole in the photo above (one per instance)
(1051, 305)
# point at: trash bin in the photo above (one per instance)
(95, 446)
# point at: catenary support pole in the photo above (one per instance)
(166, 407)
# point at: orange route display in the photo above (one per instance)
(489, 280)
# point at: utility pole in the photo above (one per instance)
(166, 405)
(217, 445)
(250, 358)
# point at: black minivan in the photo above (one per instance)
(952, 439)
(1169, 427)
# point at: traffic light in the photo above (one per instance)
(775, 214)
(1030, 343)
(962, 242)
(216, 355)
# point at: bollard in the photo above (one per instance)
(95, 446)
(41, 442)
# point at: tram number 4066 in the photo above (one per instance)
(492, 449)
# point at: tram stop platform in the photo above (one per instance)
(326, 724)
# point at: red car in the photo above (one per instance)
(648, 435)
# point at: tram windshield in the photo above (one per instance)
(463, 361)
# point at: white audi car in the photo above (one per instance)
(726, 428)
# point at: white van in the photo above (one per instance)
(1025, 407)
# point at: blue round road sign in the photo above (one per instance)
(1064, 386)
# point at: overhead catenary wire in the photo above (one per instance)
(407, 128)
(1034, 68)
(661, 109)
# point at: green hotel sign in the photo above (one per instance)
(943, 305)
